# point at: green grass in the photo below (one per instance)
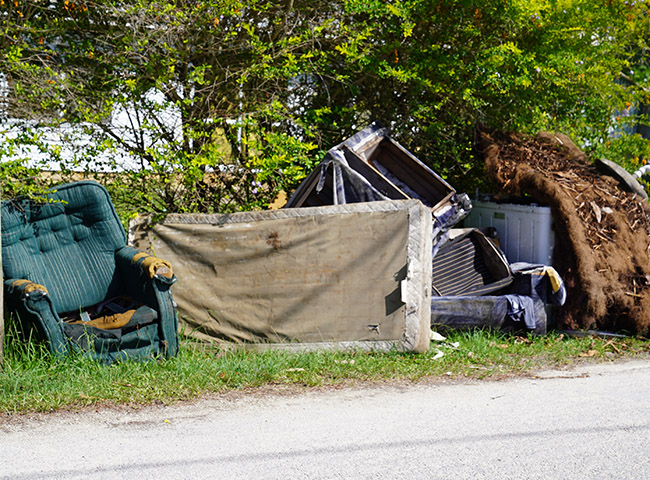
(31, 380)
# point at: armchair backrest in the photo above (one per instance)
(68, 245)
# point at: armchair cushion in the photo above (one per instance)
(67, 244)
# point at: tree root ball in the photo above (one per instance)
(602, 232)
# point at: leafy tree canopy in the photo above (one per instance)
(223, 102)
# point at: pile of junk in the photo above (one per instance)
(367, 253)
(473, 283)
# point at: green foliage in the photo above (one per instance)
(174, 97)
(512, 65)
(217, 105)
(280, 162)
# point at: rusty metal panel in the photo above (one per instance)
(345, 276)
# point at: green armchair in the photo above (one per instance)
(71, 280)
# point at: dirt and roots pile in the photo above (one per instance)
(602, 232)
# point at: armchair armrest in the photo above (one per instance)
(130, 258)
(25, 288)
(148, 279)
(35, 309)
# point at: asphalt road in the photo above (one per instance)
(588, 423)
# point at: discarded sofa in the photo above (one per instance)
(472, 282)
(71, 280)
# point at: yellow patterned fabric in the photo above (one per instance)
(30, 286)
(554, 277)
(154, 265)
(116, 320)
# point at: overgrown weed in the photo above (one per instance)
(33, 380)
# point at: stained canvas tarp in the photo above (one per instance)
(356, 275)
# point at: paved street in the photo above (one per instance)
(587, 423)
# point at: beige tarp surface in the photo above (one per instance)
(341, 276)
